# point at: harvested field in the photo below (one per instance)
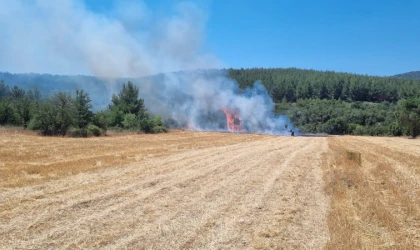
(374, 185)
(202, 190)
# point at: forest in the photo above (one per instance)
(315, 101)
(340, 103)
(409, 75)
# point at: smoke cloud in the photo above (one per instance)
(195, 99)
(131, 40)
(65, 37)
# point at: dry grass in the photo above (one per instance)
(199, 190)
(28, 158)
(374, 200)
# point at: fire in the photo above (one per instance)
(233, 121)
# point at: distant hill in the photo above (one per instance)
(49, 84)
(99, 89)
(415, 75)
(292, 84)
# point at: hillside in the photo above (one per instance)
(290, 83)
(415, 75)
(49, 84)
(295, 84)
(100, 89)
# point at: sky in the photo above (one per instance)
(365, 37)
(110, 37)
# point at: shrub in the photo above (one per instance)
(395, 129)
(153, 125)
(359, 130)
(336, 126)
(351, 128)
(147, 124)
(77, 132)
(102, 120)
(129, 121)
(33, 125)
(409, 115)
(355, 156)
(94, 130)
(159, 129)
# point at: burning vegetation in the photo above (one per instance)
(208, 100)
(233, 121)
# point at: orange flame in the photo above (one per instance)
(233, 121)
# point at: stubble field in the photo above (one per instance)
(202, 190)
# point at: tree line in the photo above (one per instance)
(355, 118)
(295, 84)
(71, 114)
(315, 101)
(340, 103)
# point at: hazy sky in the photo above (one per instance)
(366, 37)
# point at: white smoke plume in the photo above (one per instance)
(195, 99)
(66, 37)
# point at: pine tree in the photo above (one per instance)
(83, 106)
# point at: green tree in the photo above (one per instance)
(17, 93)
(24, 110)
(158, 125)
(8, 114)
(337, 126)
(65, 112)
(147, 123)
(56, 115)
(16, 108)
(4, 90)
(409, 115)
(130, 121)
(102, 119)
(116, 117)
(128, 100)
(45, 119)
(83, 106)
(34, 95)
